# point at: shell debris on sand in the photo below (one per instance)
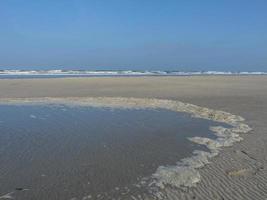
(239, 172)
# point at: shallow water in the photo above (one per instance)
(60, 152)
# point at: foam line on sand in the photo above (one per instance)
(185, 173)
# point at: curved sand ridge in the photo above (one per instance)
(185, 173)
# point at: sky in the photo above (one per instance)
(188, 35)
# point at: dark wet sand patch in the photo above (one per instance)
(50, 152)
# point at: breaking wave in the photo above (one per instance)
(60, 72)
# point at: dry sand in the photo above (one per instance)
(239, 172)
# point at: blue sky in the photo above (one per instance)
(134, 34)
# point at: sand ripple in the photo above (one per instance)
(185, 174)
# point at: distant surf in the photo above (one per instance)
(79, 73)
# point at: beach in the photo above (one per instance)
(238, 172)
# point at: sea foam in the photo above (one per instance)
(185, 173)
(60, 72)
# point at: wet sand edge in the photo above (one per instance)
(185, 173)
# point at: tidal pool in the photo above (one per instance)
(63, 152)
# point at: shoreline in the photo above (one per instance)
(73, 72)
(232, 171)
(185, 173)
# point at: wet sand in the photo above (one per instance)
(72, 152)
(239, 172)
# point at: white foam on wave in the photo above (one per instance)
(60, 72)
(33, 116)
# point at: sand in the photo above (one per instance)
(239, 172)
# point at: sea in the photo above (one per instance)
(60, 73)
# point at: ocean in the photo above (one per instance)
(9, 74)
